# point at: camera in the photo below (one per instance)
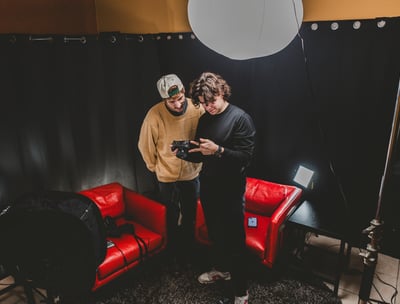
(183, 147)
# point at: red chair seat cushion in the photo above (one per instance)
(126, 250)
(152, 240)
(113, 262)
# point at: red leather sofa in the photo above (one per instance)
(146, 234)
(267, 207)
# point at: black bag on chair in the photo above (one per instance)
(55, 239)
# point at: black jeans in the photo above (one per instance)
(180, 198)
(223, 204)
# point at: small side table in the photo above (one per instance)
(327, 220)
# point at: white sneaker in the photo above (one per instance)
(213, 276)
(242, 300)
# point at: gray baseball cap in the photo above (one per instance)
(169, 85)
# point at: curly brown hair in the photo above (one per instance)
(209, 85)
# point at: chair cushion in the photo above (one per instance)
(263, 197)
(126, 249)
(109, 199)
(112, 263)
(152, 240)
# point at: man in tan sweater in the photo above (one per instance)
(173, 118)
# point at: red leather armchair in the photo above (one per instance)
(146, 236)
(267, 207)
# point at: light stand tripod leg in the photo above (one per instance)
(29, 288)
(366, 283)
(370, 259)
(375, 229)
(29, 293)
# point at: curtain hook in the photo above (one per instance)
(113, 39)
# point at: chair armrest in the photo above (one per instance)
(278, 219)
(281, 213)
(145, 211)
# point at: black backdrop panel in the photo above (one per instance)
(71, 111)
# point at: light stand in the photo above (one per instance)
(28, 287)
(375, 230)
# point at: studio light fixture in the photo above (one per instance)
(248, 29)
(303, 176)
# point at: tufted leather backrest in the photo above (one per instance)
(109, 198)
(263, 197)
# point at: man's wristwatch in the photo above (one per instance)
(218, 153)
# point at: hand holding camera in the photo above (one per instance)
(182, 147)
(204, 146)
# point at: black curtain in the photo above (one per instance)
(71, 108)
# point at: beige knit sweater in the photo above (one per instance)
(158, 130)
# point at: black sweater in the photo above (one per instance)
(232, 129)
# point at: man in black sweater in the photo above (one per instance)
(225, 144)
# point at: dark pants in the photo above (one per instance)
(223, 205)
(180, 198)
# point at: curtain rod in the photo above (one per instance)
(114, 37)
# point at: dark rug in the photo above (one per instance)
(158, 282)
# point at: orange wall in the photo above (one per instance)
(145, 16)
(154, 16)
(48, 16)
(319, 10)
(151, 16)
